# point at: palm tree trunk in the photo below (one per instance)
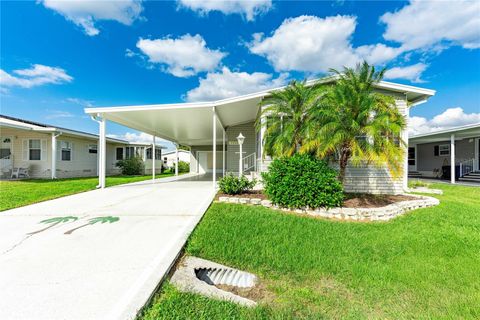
(50, 226)
(345, 154)
(71, 230)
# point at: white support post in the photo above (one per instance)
(214, 138)
(54, 156)
(452, 158)
(102, 145)
(176, 159)
(405, 140)
(240, 164)
(153, 159)
(223, 155)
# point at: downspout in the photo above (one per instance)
(53, 166)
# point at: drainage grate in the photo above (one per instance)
(231, 277)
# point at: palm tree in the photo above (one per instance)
(355, 123)
(53, 222)
(92, 221)
(287, 114)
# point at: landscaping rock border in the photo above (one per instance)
(355, 214)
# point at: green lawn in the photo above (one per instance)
(20, 193)
(424, 265)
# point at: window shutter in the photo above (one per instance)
(436, 151)
(25, 150)
(43, 156)
(59, 150)
(71, 151)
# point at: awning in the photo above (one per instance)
(463, 132)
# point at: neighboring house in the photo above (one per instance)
(210, 130)
(169, 157)
(430, 154)
(46, 151)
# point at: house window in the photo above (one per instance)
(442, 150)
(92, 148)
(66, 149)
(129, 152)
(119, 154)
(411, 156)
(158, 154)
(34, 149)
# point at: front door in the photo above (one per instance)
(6, 161)
(412, 159)
(203, 162)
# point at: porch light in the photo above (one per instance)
(240, 139)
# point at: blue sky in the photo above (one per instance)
(59, 57)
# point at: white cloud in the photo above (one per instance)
(412, 72)
(182, 57)
(313, 44)
(452, 117)
(423, 24)
(80, 102)
(55, 114)
(249, 9)
(225, 84)
(86, 13)
(37, 75)
(141, 137)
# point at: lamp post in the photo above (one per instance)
(240, 140)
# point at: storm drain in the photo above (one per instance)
(202, 276)
(230, 277)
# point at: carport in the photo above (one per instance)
(199, 124)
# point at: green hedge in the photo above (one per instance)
(131, 167)
(231, 184)
(302, 181)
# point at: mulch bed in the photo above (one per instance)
(373, 200)
(353, 200)
(258, 194)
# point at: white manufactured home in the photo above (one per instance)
(211, 129)
(36, 150)
(170, 157)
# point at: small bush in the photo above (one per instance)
(302, 181)
(183, 167)
(131, 167)
(231, 184)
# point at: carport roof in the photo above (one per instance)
(462, 132)
(191, 123)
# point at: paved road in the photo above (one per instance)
(104, 259)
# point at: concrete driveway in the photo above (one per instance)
(101, 254)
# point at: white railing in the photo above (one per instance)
(249, 162)
(467, 166)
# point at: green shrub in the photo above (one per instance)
(131, 167)
(231, 184)
(183, 167)
(302, 181)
